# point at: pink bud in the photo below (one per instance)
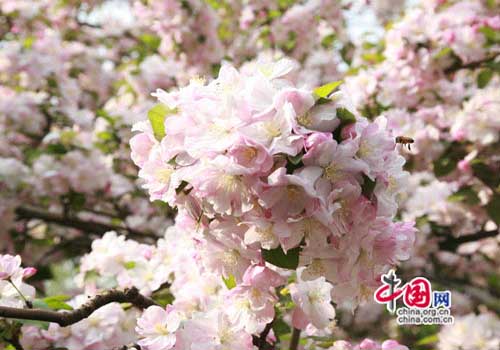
(29, 271)
(459, 135)
(464, 166)
(368, 344)
(262, 277)
(148, 253)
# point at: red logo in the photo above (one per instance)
(416, 293)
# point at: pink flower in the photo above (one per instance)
(368, 344)
(160, 176)
(313, 302)
(9, 266)
(249, 158)
(33, 339)
(29, 271)
(290, 195)
(393, 345)
(262, 277)
(140, 144)
(157, 327)
(224, 191)
(213, 331)
(251, 304)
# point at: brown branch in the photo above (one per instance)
(450, 243)
(471, 65)
(66, 318)
(25, 212)
(14, 339)
(260, 341)
(294, 343)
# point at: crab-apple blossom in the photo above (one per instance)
(313, 302)
(291, 198)
(158, 326)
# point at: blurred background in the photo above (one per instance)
(76, 75)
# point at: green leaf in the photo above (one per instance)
(230, 282)
(327, 41)
(484, 173)
(443, 52)
(280, 327)
(484, 77)
(368, 186)
(430, 339)
(61, 297)
(129, 265)
(163, 297)
(295, 159)
(38, 324)
(31, 154)
(493, 208)
(76, 200)
(57, 302)
(156, 116)
(105, 135)
(28, 42)
(56, 149)
(491, 4)
(465, 194)
(345, 116)
(373, 57)
(277, 257)
(494, 281)
(448, 160)
(444, 165)
(108, 117)
(289, 45)
(151, 41)
(40, 304)
(326, 90)
(491, 35)
(91, 276)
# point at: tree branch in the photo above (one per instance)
(25, 212)
(260, 341)
(450, 243)
(471, 65)
(66, 318)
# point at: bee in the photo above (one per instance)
(406, 141)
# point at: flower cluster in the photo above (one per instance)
(271, 173)
(437, 83)
(117, 262)
(13, 291)
(288, 199)
(471, 332)
(108, 327)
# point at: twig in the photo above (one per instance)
(66, 318)
(479, 294)
(294, 342)
(450, 243)
(471, 65)
(14, 340)
(25, 212)
(260, 341)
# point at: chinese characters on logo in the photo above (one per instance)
(422, 304)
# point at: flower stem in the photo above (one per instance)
(294, 342)
(26, 301)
